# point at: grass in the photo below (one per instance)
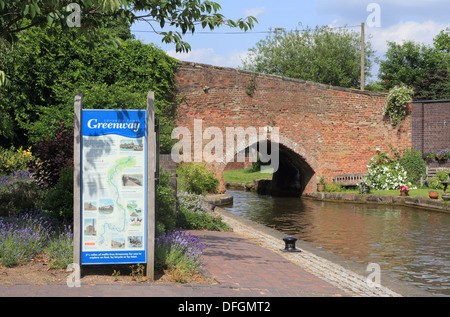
(244, 176)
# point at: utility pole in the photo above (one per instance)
(363, 58)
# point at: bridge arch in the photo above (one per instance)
(295, 169)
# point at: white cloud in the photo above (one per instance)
(405, 31)
(211, 57)
(256, 12)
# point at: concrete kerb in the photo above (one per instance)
(390, 286)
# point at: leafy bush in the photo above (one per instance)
(333, 187)
(19, 192)
(180, 253)
(166, 202)
(194, 213)
(59, 199)
(47, 68)
(435, 183)
(386, 176)
(399, 97)
(443, 175)
(414, 165)
(52, 155)
(195, 178)
(13, 159)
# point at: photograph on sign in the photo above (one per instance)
(113, 181)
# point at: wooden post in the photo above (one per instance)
(363, 57)
(77, 180)
(151, 190)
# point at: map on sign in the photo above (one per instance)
(113, 196)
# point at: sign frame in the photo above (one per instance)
(149, 162)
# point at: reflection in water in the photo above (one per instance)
(408, 243)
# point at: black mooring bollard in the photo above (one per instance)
(290, 245)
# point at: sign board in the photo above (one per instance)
(113, 187)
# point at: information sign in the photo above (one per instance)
(113, 187)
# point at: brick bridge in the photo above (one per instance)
(323, 130)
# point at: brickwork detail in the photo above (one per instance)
(333, 130)
(431, 127)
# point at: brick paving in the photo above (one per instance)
(240, 267)
(244, 263)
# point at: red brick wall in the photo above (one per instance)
(335, 130)
(431, 127)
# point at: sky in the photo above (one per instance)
(386, 20)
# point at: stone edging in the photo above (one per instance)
(411, 201)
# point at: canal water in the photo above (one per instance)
(410, 244)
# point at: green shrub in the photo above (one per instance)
(194, 213)
(195, 178)
(435, 183)
(414, 165)
(19, 193)
(398, 99)
(333, 187)
(443, 175)
(59, 199)
(59, 249)
(180, 253)
(166, 202)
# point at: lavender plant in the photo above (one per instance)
(193, 202)
(179, 251)
(23, 237)
(59, 250)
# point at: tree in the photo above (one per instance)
(424, 68)
(19, 15)
(185, 16)
(324, 55)
(47, 67)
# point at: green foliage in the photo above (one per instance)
(48, 68)
(13, 159)
(179, 253)
(59, 250)
(183, 16)
(195, 178)
(333, 187)
(322, 55)
(19, 193)
(166, 204)
(59, 199)
(194, 213)
(398, 99)
(384, 172)
(414, 165)
(424, 68)
(443, 175)
(435, 183)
